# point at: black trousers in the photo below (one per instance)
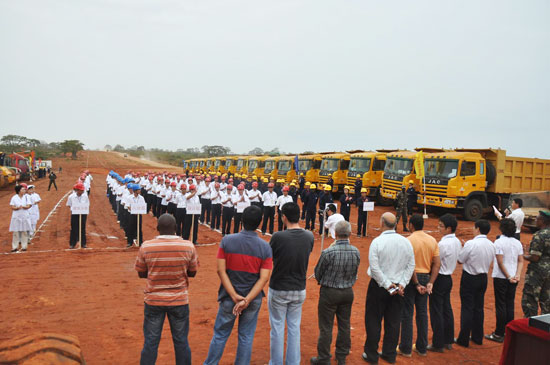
(381, 305)
(334, 302)
(505, 293)
(172, 209)
(269, 215)
(237, 222)
(258, 204)
(180, 220)
(74, 230)
(133, 228)
(50, 184)
(310, 220)
(206, 207)
(280, 226)
(441, 312)
(517, 236)
(361, 222)
(321, 223)
(163, 209)
(149, 200)
(159, 207)
(345, 212)
(472, 299)
(153, 202)
(216, 216)
(227, 216)
(187, 227)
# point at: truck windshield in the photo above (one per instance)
(283, 167)
(240, 164)
(202, 164)
(252, 165)
(228, 163)
(329, 164)
(208, 164)
(399, 166)
(359, 164)
(441, 168)
(269, 166)
(217, 163)
(304, 165)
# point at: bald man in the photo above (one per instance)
(391, 265)
(169, 295)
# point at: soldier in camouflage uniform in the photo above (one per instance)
(401, 208)
(537, 280)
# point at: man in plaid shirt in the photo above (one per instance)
(336, 272)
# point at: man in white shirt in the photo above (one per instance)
(270, 199)
(332, 219)
(78, 220)
(150, 195)
(476, 256)
(517, 215)
(135, 199)
(441, 311)
(241, 201)
(191, 219)
(204, 193)
(282, 200)
(391, 265)
(228, 210)
(181, 209)
(216, 199)
(255, 195)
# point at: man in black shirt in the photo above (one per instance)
(287, 287)
(52, 177)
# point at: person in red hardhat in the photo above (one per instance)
(192, 198)
(255, 195)
(270, 200)
(205, 192)
(78, 201)
(241, 201)
(216, 199)
(282, 200)
(228, 210)
(171, 197)
(181, 204)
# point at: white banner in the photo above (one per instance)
(193, 209)
(80, 207)
(138, 208)
(368, 206)
(241, 206)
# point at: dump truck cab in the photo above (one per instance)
(231, 164)
(185, 165)
(202, 165)
(270, 169)
(285, 168)
(256, 166)
(209, 165)
(369, 166)
(242, 165)
(310, 166)
(398, 171)
(219, 165)
(335, 165)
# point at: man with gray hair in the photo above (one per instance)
(336, 272)
(391, 265)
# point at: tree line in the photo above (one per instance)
(43, 150)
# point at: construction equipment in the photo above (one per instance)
(285, 168)
(231, 164)
(242, 165)
(46, 348)
(335, 165)
(310, 166)
(219, 165)
(474, 180)
(256, 165)
(369, 166)
(270, 169)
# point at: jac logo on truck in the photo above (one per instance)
(392, 177)
(436, 181)
(352, 173)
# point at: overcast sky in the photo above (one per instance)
(298, 75)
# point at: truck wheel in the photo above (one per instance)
(473, 210)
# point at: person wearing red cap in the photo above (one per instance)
(88, 181)
(228, 210)
(270, 199)
(181, 208)
(191, 220)
(282, 200)
(216, 199)
(241, 201)
(155, 201)
(205, 191)
(80, 197)
(171, 198)
(164, 193)
(149, 196)
(255, 195)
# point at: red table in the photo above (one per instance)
(524, 344)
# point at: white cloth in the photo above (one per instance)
(391, 259)
(477, 255)
(205, 191)
(34, 211)
(510, 248)
(82, 199)
(255, 195)
(269, 198)
(282, 200)
(192, 199)
(449, 249)
(517, 216)
(181, 201)
(216, 197)
(330, 224)
(20, 219)
(227, 200)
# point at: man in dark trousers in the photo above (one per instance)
(346, 200)
(412, 196)
(361, 213)
(78, 219)
(401, 204)
(310, 206)
(324, 199)
(336, 272)
(52, 178)
(476, 258)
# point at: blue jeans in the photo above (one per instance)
(153, 320)
(285, 305)
(224, 325)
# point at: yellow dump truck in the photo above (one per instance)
(270, 169)
(369, 166)
(285, 168)
(219, 165)
(256, 166)
(209, 165)
(399, 170)
(194, 165)
(231, 164)
(335, 165)
(474, 180)
(202, 165)
(310, 166)
(242, 165)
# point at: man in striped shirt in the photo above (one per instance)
(167, 262)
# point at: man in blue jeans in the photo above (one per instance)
(287, 287)
(244, 265)
(166, 290)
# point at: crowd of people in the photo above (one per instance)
(409, 276)
(25, 215)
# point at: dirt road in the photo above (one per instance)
(95, 294)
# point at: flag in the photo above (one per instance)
(296, 164)
(419, 164)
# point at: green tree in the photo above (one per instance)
(256, 152)
(71, 146)
(214, 151)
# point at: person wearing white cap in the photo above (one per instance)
(34, 212)
(20, 223)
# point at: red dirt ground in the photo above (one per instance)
(96, 295)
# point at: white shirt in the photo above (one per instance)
(477, 255)
(518, 216)
(181, 201)
(449, 249)
(192, 200)
(132, 199)
(255, 195)
(205, 191)
(510, 248)
(238, 198)
(216, 197)
(229, 203)
(330, 224)
(282, 200)
(33, 199)
(269, 198)
(74, 197)
(17, 201)
(391, 259)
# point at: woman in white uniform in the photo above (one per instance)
(34, 211)
(20, 223)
